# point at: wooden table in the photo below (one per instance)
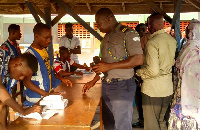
(77, 115)
(82, 79)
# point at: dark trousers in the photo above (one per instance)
(154, 109)
(117, 104)
(138, 101)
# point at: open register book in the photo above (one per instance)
(51, 103)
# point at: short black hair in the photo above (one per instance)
(63, 50)
(68, 25)
(104, 12)
(137, 28)
(155, 17)
(31, 61)
(38, 28)
(13, 28)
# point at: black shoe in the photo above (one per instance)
(137, 125)
(94, 122)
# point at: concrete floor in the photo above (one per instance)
(96, 124)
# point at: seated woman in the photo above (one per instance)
(186, 104)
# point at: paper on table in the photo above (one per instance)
(54, 102)
(53, 98)
(34, 115)
(85, 71)
(46, 114)
(74, 75)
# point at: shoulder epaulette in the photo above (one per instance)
(124, 28)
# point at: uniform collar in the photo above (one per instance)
(156, 33)
(117, 29)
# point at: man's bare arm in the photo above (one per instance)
(130, 62)
(3, 92)
(64, 73)
(8, 100)
(81, 66)
(90, 84)
(67, 82)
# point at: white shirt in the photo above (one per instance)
(71, 44)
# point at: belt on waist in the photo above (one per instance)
(113, 80)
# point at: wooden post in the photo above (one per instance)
(176, 23)
(101, 118)
(47, 10)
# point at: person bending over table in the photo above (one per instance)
(17, 68)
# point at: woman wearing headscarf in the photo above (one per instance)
(185, 112)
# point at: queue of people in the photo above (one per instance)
(125, 54)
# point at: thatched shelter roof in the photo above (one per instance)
(91, 6)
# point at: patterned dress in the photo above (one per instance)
(185, 114)
(4, 60)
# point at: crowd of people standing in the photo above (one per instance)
(135, 64)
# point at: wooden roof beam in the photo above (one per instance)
(57, 18)
(81, 1)
(159, 10)
(123, 7)
(112, 1)
(89, 7)
(194, 3)
(53, 6)
(21, 7)
(161, 5)
(33, 11)
(78, 19)
(40, 13)
(71, 5)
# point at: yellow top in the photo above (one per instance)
(45, 56)
(156, 71)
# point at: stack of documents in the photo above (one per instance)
(54, 102)
(49, 102)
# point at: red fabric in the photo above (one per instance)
(12, 43)
(57, 66)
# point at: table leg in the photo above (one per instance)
(101, 119)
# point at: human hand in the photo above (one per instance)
(67, 82)
(35, 108)
(101, 67)
(79, 73)
(54, 93)
(138, 72)
(87, 86)
(87, 68)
